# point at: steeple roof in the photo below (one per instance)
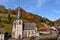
(19, 15)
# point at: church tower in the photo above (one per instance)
(17, 26)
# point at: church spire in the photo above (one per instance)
(19, 16)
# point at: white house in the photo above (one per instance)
(44, 30)
(53, 28)
(2, 32)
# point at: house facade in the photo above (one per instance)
(2, 33)
(21, 29)
(44, 30)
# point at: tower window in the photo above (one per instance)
(19, 22)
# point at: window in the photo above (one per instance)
(28, 32)
(19, 22)
(19, 36)
(32, 32)
(25, 34)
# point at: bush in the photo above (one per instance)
(32, 38)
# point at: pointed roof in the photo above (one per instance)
(19, 15)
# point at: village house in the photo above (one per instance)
(2, 33)
(58, 30)
(53, 29)
(53, 32)
(21, 29)
(44, 30)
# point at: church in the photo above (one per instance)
(21, 29)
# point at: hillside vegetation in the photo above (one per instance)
(7, 16)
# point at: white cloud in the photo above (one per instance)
(40, 2)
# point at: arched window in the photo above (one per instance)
(28, 32)
(19, 36)
(19, 22)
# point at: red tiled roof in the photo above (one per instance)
(44, 29)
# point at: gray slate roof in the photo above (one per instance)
(29, 26)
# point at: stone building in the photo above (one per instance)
(21, 29)
(30, 30)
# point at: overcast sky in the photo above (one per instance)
(45, 8)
